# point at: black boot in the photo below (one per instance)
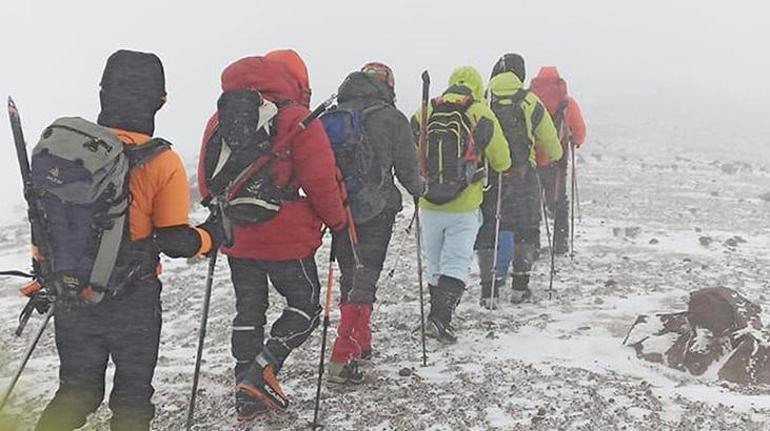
(489, 299)
(446, 296)
(486, 292)
(521, 291)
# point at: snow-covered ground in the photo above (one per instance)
(551, 364)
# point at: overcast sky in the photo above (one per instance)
(703, 64)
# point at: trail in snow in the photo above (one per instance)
(546, 365)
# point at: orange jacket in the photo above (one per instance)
(160, 194)
(552, 90)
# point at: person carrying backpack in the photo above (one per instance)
(105, 244)
(552, 90)
(277, 183)
(372, 140)
(464, 136)
(527, 126)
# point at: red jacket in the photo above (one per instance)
(309, 164)
(552, 90)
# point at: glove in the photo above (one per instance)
(213, 226)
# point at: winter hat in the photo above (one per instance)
(380, 71)
(296, 67)
(510, 63)
(133, 88)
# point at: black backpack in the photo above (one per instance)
(509, 111)
(451, 158)
(237, 159)
(356, 158)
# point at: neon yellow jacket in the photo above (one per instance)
(496, 151)
(544, 133)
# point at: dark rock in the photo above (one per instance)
(406, 372)
(729, 168)
(633, 232)
(654, 241)
(705, 241)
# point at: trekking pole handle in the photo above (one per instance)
(320, 109)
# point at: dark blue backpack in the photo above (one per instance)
(356, 159)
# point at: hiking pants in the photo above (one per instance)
(126, 329)
(359, 286)
(297, 282)
(554, 179)
(447, 243)
(519, 231)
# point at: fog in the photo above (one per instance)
(685, 76)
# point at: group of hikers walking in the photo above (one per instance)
(107, 198)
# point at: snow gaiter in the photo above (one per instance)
(346, 347)
(450, 293)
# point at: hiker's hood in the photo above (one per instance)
(296, 67)
(548, 73)
(272, 79)
(469, 77)
(505, 84)
(360, 85)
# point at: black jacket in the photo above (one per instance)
(390, 134)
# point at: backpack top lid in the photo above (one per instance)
(550, 88)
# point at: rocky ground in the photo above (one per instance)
(651, 231)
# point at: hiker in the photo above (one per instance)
(564, 110)
(527, 126)
(372, 139)
(122, 320)
(277, 212)
(463, 137)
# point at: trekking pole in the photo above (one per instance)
(575, 181)
(423, 147)
(572, 207)
(548, 235)
(493, 299)
(327, 311)
(407, 232)
(27, 354)
(201, 337)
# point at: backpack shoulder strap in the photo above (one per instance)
(139, 155)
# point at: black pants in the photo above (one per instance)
(359, 285)
(554, 178)
(520, 215)
(126, 329)
(295, 280)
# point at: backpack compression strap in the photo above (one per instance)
(111, 238)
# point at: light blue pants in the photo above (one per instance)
(447, 243)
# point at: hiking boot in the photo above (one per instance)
(248, 408)
(260, 383)
(520, 296)
(560, 246)
(341, 373)
(490, 302)
(445, 334)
